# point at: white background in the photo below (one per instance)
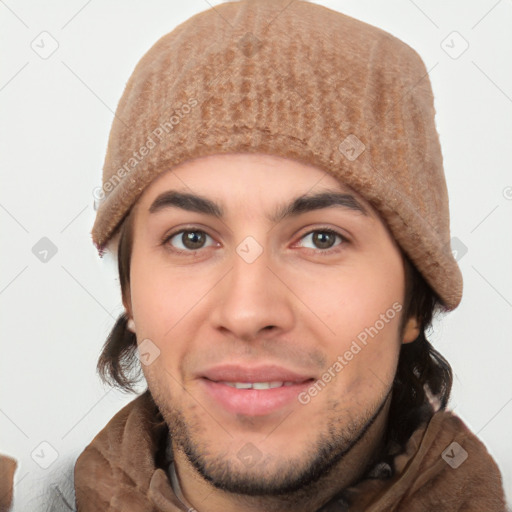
(55, 119)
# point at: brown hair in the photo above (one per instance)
(421, 369)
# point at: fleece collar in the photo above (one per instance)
(124, 469)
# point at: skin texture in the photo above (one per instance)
(300, 304)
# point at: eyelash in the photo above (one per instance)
(323, 252)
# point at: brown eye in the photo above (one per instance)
(193, 239)
(324, 239)
(187, 240)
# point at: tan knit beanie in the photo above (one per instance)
(297, 80)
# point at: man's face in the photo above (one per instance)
(310, 304)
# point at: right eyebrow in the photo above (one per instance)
(188, 202)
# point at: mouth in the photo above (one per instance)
(256, 391)
(258, 385)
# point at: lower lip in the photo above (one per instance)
(253, 402)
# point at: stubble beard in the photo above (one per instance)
(292, 478)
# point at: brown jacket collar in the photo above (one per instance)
(121, 470)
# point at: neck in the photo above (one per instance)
(202, 495)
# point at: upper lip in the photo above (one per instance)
(262, 373)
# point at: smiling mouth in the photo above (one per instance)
(255, 399)
(259, 385)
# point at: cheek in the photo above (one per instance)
(357, 299)
(364, 305)
(154, 304)
(163, 303)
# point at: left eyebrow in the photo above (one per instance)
(307, 203)
(298, 206)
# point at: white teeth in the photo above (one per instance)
(257, 385)
(239, 385)
(266, 385)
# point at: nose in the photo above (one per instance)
(253, 299)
